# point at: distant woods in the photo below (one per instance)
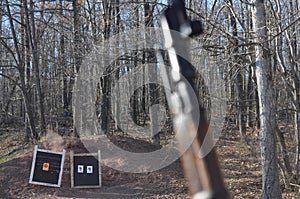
(252, 45)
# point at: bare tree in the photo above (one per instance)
(237, 66)
(31, 34)
(18, 58)
(271, 186)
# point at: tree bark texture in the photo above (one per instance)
(270, 177)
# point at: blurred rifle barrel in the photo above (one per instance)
(203, 174)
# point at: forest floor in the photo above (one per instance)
(240, 162)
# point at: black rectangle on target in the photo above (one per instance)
(85, 170)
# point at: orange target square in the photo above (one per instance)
(46, 166)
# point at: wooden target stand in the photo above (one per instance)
(47, 167)
(85, 170)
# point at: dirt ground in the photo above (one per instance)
(240, 163)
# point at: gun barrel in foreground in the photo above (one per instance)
(203, 174)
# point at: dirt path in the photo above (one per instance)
(240, 163)
(165, 183)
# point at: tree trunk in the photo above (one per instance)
(270, 177)
(293, 51)
(297, 133)
(251, 100)
(117, 73)
(20, 67)
(106, 79)
(152, 76)
(35, 63)
(77, 54)
(105, 102)
(241, 106)
(62, 63)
